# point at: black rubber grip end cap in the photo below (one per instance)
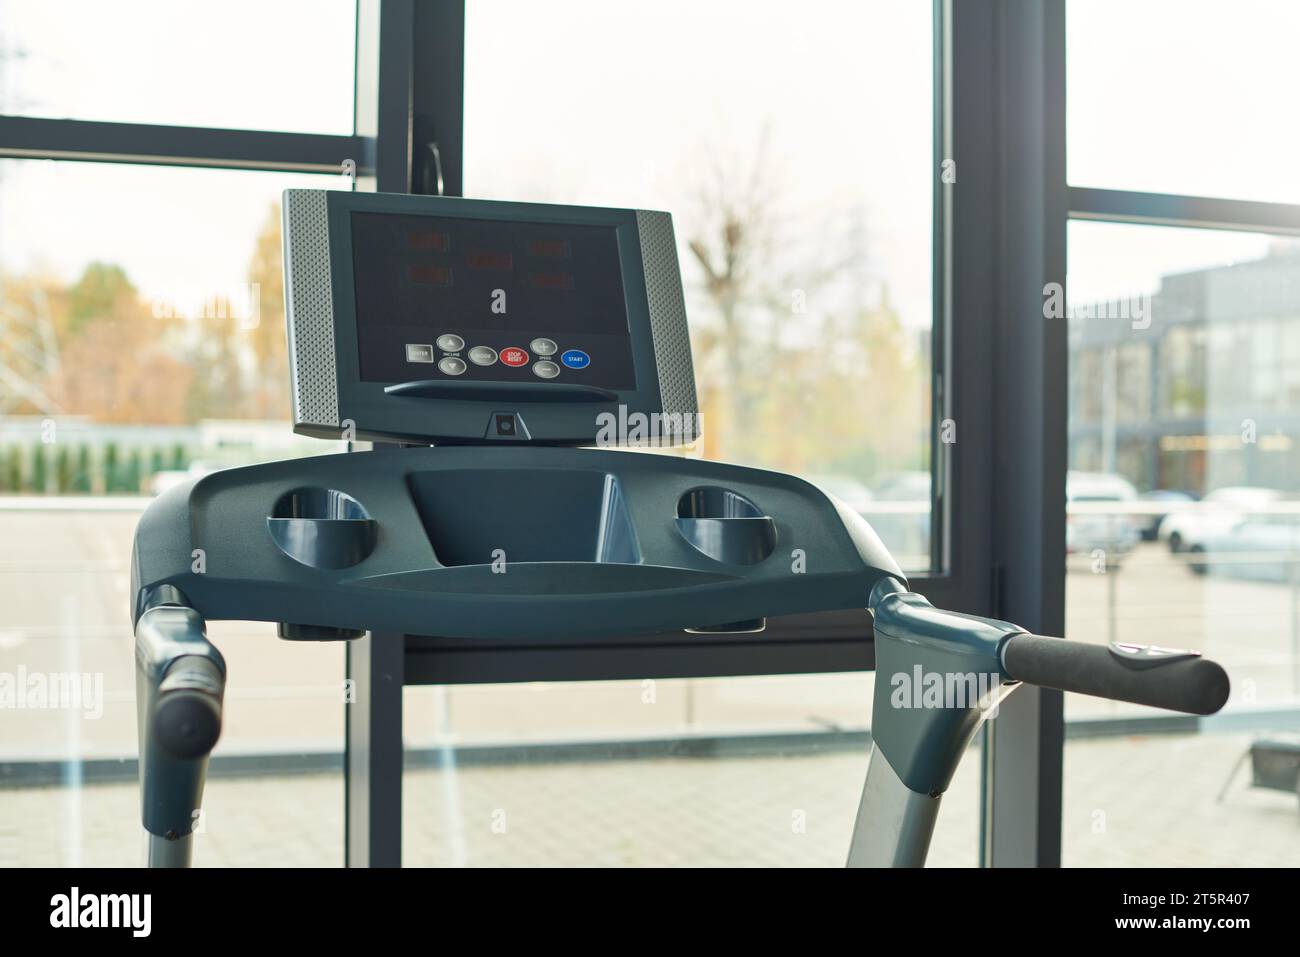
(187, 723)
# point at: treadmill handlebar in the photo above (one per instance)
(187, 712)
(180, 683)
(1140, 674)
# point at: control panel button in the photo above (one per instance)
(450, 342)
(419, 352)
(451, 365)
(546, 369)
(543, 347)
(482, 355)
(576, 359)
(514, 356)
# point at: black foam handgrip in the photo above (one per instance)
(187, 715)
(1192, 684)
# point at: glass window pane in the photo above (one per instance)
(521, 775)
(804, 231)
(240, 64)
(142, 344)
(1184, 531)
(796, 156)
(1177, 96)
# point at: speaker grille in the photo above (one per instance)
(663, 283)
(309, 308)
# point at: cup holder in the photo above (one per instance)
(725, 526)
(322, 528)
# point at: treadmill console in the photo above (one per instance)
(432, 319)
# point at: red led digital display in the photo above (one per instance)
(490, 300)
(548, 248)
(485, 259)
(551, 280)
(430, 275)
(430, 242)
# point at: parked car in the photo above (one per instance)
(1214, 516)
(1114, 531)
(1149, 528)
(1261, 547)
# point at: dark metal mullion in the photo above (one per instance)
(941, 464)
(1028, 737)
(1193, 212)
(1008, 221)
(92, 141)
(438, 104)
(373, 755)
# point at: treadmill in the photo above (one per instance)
(516, 361)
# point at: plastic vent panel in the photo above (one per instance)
(309, 302)
(663, 280)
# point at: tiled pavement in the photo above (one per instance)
(1129, 802)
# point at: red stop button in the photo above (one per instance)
(513, 356)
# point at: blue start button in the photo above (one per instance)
(575, 359)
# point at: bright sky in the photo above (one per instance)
(613, 103)
(1177, 96)
(639, 105)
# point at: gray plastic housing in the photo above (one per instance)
(504, 541)
(330, 399)
(916, 642)
(180, 683)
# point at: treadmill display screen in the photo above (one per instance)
(447, 298)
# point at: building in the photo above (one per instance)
(1197, 386)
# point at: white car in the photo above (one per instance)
(1261, 547)
(1111, 528)
(1214, 516)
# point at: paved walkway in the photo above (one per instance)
(1130, 802)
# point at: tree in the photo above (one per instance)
(32, 311)
(81, 475)
(270, 393)
(728, 243)
(97, 293)
(801, 365)
(40, 470)
(238, 350)
(119, 363)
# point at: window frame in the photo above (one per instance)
(1133, 207)
(997, 510)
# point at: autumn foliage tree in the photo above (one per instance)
(120, 358)
(801, 365)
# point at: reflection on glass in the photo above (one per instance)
(1184, 530)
